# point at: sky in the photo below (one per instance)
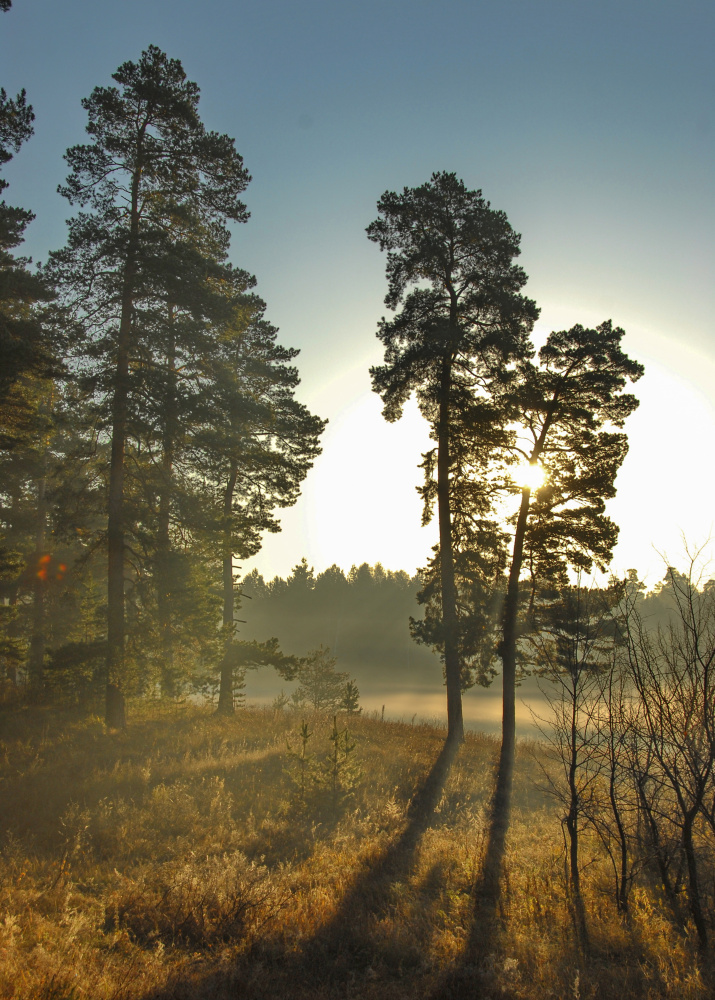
(589, 124)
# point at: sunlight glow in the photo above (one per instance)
(359, 502)
(529, 474)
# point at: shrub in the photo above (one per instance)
(227, 898)
(320, 684)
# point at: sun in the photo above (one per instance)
(529, 475)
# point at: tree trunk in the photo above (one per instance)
(115, 713)
(164, 582)
(696, 909)
(36, 658)
(622, 880)
(502, 798)
(452, 665)
(655, 849)
(225, 697)
(508, 657)
(572, 827)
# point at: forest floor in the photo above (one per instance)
(180, 859)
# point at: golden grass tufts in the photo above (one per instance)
(170, 862)
(198, 903)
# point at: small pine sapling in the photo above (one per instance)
(320, 684)
(280, 702)
(342, 772)
(300, 768)
(350, 701)
(238, 687)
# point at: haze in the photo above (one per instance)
(590, 125)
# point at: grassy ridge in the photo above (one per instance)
(178, 860)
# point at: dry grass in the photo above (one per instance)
(176, 860)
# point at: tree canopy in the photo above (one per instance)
(176, 373)
(462, 326)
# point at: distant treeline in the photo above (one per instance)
(362, 615)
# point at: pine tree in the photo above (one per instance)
(572, 408)
(350, 700)
(461, 324)
(320, 684)
(27, 351)
(341, 770)
(254, 446)
(40, 529)
(301, 767)
(150, 173)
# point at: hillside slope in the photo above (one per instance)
(183, 859)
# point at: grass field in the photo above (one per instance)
(180, 859)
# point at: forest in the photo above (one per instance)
(163, 837)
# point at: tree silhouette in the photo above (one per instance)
(150, 166)
(569, 404)
(450, 265)
(254, 447)
(27, 350)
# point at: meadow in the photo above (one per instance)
(185, 857)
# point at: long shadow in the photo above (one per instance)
(346, 939)
(343, 944)
(487, 891)
(466, 979)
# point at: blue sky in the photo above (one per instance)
(589, 124)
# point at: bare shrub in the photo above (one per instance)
(673, 675)
(199, 903)
(573, 650)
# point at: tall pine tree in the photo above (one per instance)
(150, 169)
(572, 408)
(450, 263)
(254, 447)
(29, 352)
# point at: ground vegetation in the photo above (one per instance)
(176, 859)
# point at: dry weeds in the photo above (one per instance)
(174, 860)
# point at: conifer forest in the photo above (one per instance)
(208, 788)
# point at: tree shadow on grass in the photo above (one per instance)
(346, 940)
(342, 949)
(468, 977)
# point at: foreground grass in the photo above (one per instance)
(178, 860)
